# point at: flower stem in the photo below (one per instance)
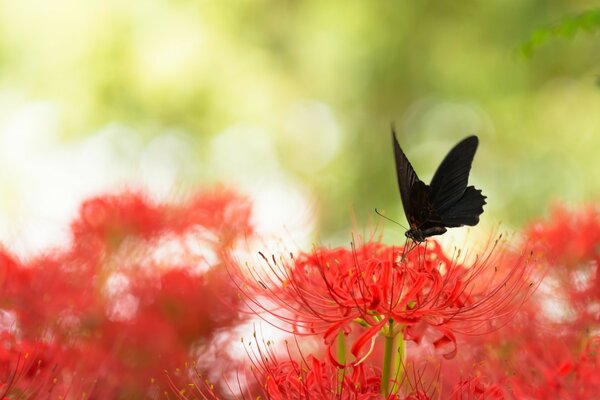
(341, 354)
(399, 361)
(388, 353)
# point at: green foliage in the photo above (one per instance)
(587, 21)
(305, 91)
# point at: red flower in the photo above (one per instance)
(281, 377)
(287, 376)
(28, 371)
(557, 374)
(329, 291)
(140, 287)
(568, 242)
(566, 237)
(474, 388)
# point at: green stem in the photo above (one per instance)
(341, 354)
(388, 353)
(399, 361)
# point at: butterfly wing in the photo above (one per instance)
(422, 214)
(415, 195)
(466, 211)
(407, 178)
(448, 202)
(450, 180)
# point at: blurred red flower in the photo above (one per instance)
(140, 287)
(568, 241)
(550, 349)
(551, 369)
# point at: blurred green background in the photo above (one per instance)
(297, 92)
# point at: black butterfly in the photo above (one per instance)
(447, 202)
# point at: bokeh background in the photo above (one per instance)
(292, 101)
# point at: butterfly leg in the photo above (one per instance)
(413, 245)
(425, 251)
(404, 252)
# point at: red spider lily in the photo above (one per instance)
(567, 237)
(316, 379)
(139, 288)
(538, 355)
(474, 388)
(531, 359)
(327, 291)
(568, 241)
(559, 373)
(28, 371)
(20, 367)
(281, 377)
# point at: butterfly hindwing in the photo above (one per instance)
(466, 211)
(450, 179)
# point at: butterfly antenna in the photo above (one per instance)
(389, 219)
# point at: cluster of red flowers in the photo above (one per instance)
(394, 323)
(551, 350)
(140, 288)
(354, 298)
(145, 288)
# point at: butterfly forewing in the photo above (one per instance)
(407, 178)
(450, 179)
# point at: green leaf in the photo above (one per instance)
(587, 21)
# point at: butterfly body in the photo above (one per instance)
(448, 201)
